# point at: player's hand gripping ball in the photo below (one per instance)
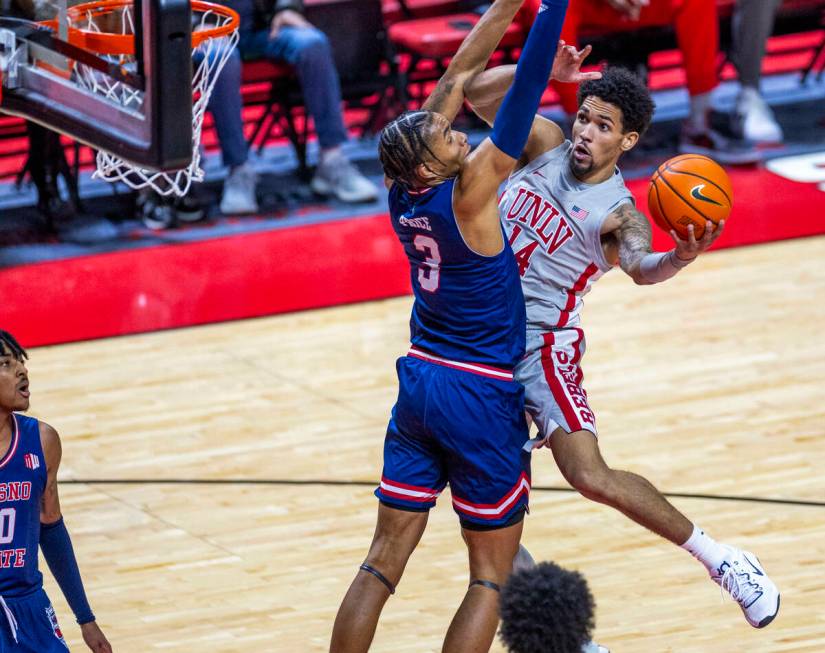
(689, 189)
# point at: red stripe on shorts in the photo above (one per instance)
(407, 492)
(495, 510)
(578, 349)
(556, 387)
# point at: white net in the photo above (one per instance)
(208, 59)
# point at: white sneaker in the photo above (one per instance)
(592, 647)
(339, 177)
(239, 191)
(744, 578)
(754, 120)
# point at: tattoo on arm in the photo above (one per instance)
(634, 235)
(441, 94)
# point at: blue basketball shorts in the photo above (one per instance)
(32, 621)
(466, 428)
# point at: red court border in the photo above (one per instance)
(296, 268)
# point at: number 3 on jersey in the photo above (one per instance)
(428, 272)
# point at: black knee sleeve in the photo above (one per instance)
(486, 583)
(379, 576)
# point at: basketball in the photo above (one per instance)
(689, 189)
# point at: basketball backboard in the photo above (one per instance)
(114, 74)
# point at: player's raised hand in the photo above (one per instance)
(689, 249)
(568, 62)
(94, 638)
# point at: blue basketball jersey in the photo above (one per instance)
(468, 307)
(22, 482)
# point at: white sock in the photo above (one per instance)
(699, 109)
(705, 549)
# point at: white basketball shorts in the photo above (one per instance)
(552, 378)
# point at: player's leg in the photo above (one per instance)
(558, 404)
(396, 535)
(739, 572)
(483, 433)
(580, 462)
(309, 51)
(411, 480)
(696, 23)
(557, 401)
(491, 561)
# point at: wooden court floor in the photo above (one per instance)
(712, 384)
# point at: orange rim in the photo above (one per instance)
(124, 44)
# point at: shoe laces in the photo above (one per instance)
(738, 584)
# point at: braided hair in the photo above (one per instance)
(402, 147)
(10, 347)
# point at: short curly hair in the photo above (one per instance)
(546, 608)
(622, 88)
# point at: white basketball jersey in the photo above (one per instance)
(554, 223)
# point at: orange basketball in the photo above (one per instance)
(686, 189)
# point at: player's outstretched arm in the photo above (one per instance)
(486, 90)
(57, 546)
(635, 237)
(493, 160)
(472, 57)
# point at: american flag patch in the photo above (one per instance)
(32, 461)
(578, 213)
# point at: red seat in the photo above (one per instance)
(395, 10)
(441, 36)
(264, 70)
(436, 39)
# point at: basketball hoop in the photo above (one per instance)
(107, 28)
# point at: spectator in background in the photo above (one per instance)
(751, 26)
(697, 32)
(238, 195)
(46, 161)
(225, 105)
(278, 30)
(289, 38)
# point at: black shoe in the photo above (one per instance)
(188, 209)
(154, 211)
